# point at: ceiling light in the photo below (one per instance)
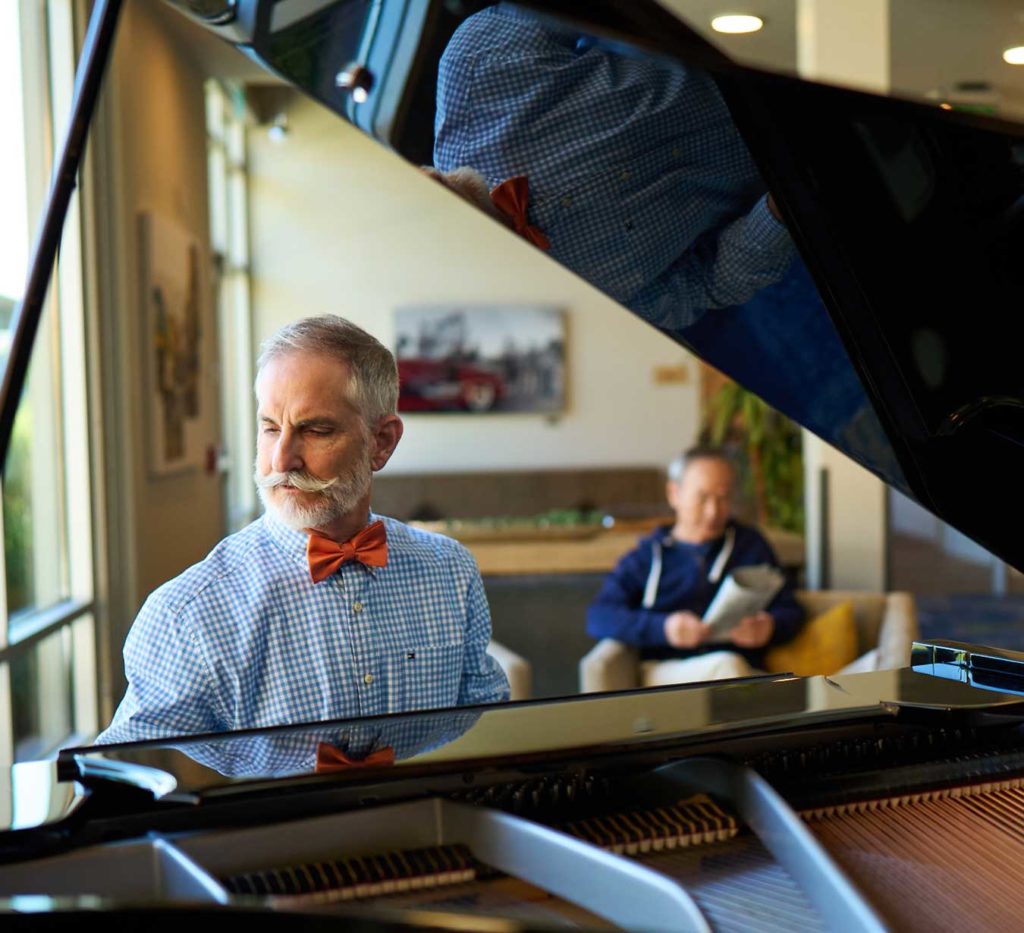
(278, 131)
(737, 23)
(1014, 56)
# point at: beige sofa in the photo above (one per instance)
(886, 627)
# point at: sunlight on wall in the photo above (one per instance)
(14, 221)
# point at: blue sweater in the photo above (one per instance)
(683, 584)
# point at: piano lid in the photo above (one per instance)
(519, 735)
(438, 751)
(891, 335)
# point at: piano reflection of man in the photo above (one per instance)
(640, 182)
(319, 609)
(637, 174)
(325, 749)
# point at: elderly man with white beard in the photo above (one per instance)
(319, 609)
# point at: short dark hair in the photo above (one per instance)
(373, 381)
(678, 466)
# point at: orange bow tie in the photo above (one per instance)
(325, 556)
(331, 758)
(511, 197)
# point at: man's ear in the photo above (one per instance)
(385, 439)
(671, 491)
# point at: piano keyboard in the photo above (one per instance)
(693, 821)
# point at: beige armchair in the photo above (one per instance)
(886, 626)
(516, 668)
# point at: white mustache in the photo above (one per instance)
(299, 479)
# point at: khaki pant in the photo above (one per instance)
(716, 665)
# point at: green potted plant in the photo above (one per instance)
(769, 452)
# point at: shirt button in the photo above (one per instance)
(357, 606)
(368, 678)
(624, 175)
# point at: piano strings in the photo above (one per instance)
(924, 858)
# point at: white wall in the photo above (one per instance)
(853, 532)
(909, 518)
(341, 225)
(147, 154)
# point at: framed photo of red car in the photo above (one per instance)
(480, 359)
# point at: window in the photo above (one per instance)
(229, 238)
(47, 654)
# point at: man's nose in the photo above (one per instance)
(287, 453)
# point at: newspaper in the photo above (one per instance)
(745, 591)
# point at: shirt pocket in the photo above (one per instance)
(424, 677)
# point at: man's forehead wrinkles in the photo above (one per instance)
(298, 412)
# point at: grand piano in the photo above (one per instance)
(891, 799)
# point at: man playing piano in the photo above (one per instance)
(319, 609)
(655, 597)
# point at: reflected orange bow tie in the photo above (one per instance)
(331, 758)
(511, 197)
(325, 556)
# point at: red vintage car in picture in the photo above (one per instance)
(445, 385)
(480, 359)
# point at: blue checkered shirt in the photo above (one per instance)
(637, 173)
(245, 639)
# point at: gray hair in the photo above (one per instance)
(678, 466)
(373, 374)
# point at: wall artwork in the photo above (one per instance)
(479, 359)
(174, 294)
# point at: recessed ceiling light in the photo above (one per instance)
(1014, 56)
(737, 23)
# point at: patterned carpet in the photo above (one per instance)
(997, 621)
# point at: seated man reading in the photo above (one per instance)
(656, 596)
(319, 609)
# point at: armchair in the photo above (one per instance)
(886, 626)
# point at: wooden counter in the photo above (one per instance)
(561, 550)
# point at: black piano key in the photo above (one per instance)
(374, 870)
(304, 879)
(320, 874)
(277, 882)
(345, 877)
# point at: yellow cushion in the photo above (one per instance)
(824, 645)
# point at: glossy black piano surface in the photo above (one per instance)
(892, 336)
(567, 798)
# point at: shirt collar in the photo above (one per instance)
(705, 547)
(293, 543)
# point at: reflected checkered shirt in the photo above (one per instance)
(278, 753)
(246, 639)
(637, 173)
